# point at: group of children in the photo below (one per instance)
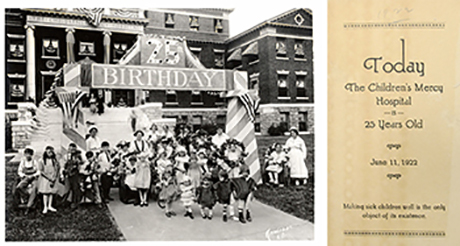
(191, 168)
(186, 167)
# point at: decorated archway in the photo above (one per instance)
(166, 63)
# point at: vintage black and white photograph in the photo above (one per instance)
(159, 124)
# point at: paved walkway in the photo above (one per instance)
(150, 224)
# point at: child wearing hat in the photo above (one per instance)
(194, 171)
(169, 191)
(223, 192)
(162, 162)
(187, 191)
(206, 197)
(242, 188)
(142, 178)
(165, 146)
(181, 159)
(28, 173)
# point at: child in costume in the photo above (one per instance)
(187, 190)
(212, 167)
(234, 156)
(142, 178)
(277, 159)
(49, 173)
(206, 197)
(169, 191)
(28, 173)
(223, 192)
(194, 171)
(181, 159)
(89, 179)
(242, 188)
(71, 172)
(106, 170)
(162, 162)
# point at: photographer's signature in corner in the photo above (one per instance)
(277, 233)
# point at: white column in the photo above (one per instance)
(106, 43)
(30, 58)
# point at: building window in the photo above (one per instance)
(281, 48)
(284, 121)
(171, 97)
(219, 99)
(254, 81)
(194, 23)
(197, 98)
(221, 121)
(196, 122)
(87, 49)
(303, 118)
(282, 87)
(16, 50)
(183, 119)
(119, 50)
(169, 20)
(300, 84)
(50, 48)
(257, 123)
(16, 87)
(219, 60)
(196, 51)
(218, 28)
(299, 50)
(146, 97)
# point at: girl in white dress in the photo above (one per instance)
(297, 156)
(276, 161)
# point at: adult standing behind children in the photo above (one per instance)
(220, 138)
(297, 156)
(49, 173)
(93, 142)
(100, 104)
(139, 145)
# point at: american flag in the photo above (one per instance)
(250, 101)
(94, 15)
(69, 102)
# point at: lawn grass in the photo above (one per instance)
(87, 223)
(295, 200)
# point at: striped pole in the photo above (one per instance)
(240, 126)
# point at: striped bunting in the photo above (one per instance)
(69, 102)
(240, 127)
(131, 54)
(72, 75)
(93, 15)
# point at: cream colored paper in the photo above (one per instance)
(410, 125)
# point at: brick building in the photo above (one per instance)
(277, 54)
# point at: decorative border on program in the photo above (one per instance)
(396, 233)
(395, 25)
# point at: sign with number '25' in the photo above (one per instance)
(162, 51)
